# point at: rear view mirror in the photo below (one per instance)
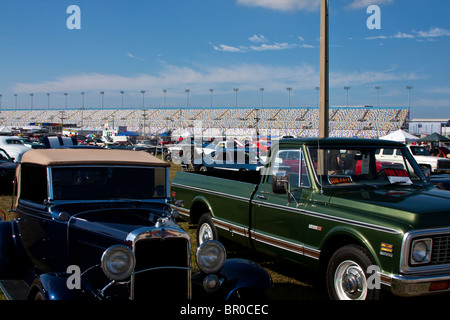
(280, 182)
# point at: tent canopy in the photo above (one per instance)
(435, 137)
(400, 136)
(129, 134)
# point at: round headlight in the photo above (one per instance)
(211, 256)
(118, 262)
(421, 251)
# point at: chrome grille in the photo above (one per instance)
(441, 250)
(444, 164)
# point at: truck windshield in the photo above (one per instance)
(108, 183)
(339, 166)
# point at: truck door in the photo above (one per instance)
(277, 216)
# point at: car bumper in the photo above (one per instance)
(410, 286)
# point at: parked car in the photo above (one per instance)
(332, 205)
(13, 146)
(7, 170)
(97, 224)
(241, 159)
(423, 157)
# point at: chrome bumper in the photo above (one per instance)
(410, 286)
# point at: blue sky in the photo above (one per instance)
(173, 45)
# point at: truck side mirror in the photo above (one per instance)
(280, 183)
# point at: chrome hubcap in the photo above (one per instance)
(350, 281)
(205, 233)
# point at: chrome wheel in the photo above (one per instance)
(350, 281)
(206, 229)
(347, 275)
(205, 233)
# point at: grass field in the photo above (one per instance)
(290, 282)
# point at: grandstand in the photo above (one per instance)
(367, 122)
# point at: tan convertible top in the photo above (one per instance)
(60, 157)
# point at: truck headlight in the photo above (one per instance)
(211, 256)
(118, 262)
(421, 251)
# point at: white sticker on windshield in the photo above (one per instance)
(397, 179)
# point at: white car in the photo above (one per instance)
(425, 160)
(13, 146)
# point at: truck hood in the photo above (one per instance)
(419, 208)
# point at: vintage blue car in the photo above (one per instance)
(98, 224)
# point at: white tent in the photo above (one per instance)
(5, 130)
(400, 136)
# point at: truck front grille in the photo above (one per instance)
(164, 281)
(444, 164)
(441, 250)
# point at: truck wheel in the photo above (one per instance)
(206, 229)
(346, 275)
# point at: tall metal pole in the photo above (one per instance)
(324, 102)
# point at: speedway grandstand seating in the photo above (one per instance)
(368, 122)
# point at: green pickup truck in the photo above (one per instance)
(367, 224)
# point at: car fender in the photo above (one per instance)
(199, 201)
(54, 286)
(241, 273)
(356, 235)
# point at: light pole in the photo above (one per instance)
(262, 97)
(31, 95)
(236, 90)
(15, 98)
(122, 92)
(165, 96)
(409, 101)
(289, 96)
(65, 95)
(103, 96)
(378, 89)
(48, 100)
(346, 89)
(211, 90)
(82, 109)
(187, 97)
(143, 93)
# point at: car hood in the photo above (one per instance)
(7, 165)
(110, 220)
(418, 208)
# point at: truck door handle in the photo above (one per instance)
(259, 196)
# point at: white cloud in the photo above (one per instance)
(274, 46)
(245, 76)
(432, 33)
(226, 48)
(357, 4)
(262, 45)
(282, 5)
(130, 55)
(258, 38)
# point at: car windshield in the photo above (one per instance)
(346, 166)
(108, 183)
(4, 157)
(419, 151)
